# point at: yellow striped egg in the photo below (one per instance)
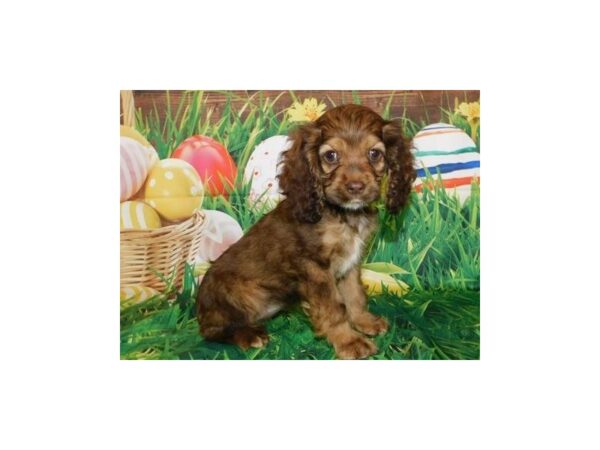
(174, 189)
(138, 216)
(137, 293)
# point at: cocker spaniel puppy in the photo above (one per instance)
(309, 248)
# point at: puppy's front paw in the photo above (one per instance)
(357, 347)
(370, 324)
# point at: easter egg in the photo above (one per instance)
(212, 162)
(137, 158)
(134, 134)
(138, 216)
(262, 170)
(443, 150)
(174, 189)
(134, 167)
(374, 282)
(220, 232)
(136, 293)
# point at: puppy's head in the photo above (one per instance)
(341, 159)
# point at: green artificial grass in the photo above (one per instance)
(423, 325)
(434, 242)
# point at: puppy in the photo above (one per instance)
(310, 247)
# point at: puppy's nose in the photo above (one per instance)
(355, 187)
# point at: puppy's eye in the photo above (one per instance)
(374, 155)
(330, 156)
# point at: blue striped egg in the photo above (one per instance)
(447, 152)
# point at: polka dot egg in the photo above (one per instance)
(447, 152)
(174, 189)
(262, 170)
(138, 216)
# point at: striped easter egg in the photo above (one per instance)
(447, 152)
(134, 167)
(138, 216)
(136, 293)
(137, 136)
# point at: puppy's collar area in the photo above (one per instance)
(352, 209)
(354, 205)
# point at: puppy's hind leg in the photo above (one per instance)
(225, 320)
(250, 336)
(228, 326)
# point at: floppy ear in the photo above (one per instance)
(300, 181)
(401, 168)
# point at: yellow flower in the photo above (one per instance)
(471, 112)
(308, 111)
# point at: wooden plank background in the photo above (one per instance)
(419, 105)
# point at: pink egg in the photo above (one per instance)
(135, 165)
(220, 232)
(212, 161)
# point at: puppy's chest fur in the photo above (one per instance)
(344, 242)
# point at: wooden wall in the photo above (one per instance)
(419, 105)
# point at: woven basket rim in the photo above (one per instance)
(164, 250)
(198, 215)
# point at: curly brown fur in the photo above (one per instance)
(309, 248)
(400, 163)
(300, 169)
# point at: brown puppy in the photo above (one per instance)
(309, 248)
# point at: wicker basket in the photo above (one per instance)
(144, 253)
(164, 251)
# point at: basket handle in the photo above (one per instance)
(128, 108)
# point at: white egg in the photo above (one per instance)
(444, 150)
(262, 169)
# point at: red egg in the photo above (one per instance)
(211, 160)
